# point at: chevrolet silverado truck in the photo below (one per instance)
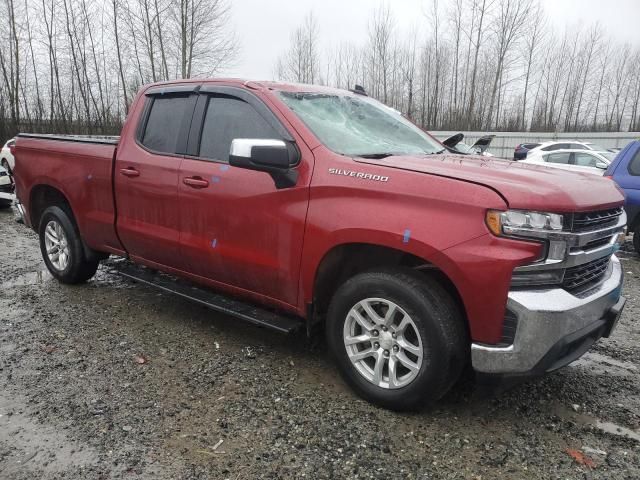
(301, 206)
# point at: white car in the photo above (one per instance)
(575, 160)
(6, 189)
(566, 145)
(6, 157)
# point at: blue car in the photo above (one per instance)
(625, 171)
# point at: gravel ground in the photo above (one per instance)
(114, 380)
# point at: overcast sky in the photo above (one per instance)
(264, 26)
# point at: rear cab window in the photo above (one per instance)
(164, 122)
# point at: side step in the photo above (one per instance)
(215, 301)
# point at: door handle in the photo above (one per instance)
(195, 182)
(129, 172)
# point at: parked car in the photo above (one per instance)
(338, 213)
(625, 171)
(6, 157)
(6, 189)
(456, 145)
(566, 145)
(575, 160)
(521, 150)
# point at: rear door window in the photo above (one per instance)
(561, 158)
(228, 118)
(578, 146)
(164, 122)
(556, 146)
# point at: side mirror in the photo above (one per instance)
(275, 157)
(601, 165)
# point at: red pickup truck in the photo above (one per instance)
(297, 205)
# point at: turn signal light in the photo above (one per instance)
(493, 222)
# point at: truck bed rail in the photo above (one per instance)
(99, 139)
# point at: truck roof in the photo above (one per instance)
(258, 85)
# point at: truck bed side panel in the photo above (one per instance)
(82, 172)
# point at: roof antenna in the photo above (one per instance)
(359, 89)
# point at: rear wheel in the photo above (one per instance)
(397, 337)
(62, 248)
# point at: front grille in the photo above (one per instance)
(586, 221)
(576, 278)
(593, 244)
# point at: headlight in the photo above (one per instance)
(518, 222)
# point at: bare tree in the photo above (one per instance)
(532, 40)
(301, 62)
(381, 40)
(205, 43)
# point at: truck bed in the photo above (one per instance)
(81, 168)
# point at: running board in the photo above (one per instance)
(215, 301)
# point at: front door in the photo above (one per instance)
(146, 179)
(238, 229)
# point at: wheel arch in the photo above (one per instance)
(345, 260)
(41, 197)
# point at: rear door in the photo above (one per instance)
(238, 230)
(146, 177)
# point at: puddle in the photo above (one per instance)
(35, 447)
(32, 278)
(102, 277)
(589, 421)
(614, 429)
(598, 364)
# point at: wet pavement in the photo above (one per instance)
(115, 380)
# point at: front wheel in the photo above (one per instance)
(62, 248)
(397, 337)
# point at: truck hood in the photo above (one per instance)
(523, 186)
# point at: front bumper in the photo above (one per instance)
(554, 327)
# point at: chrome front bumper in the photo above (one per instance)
(554, 327)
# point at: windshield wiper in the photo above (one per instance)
(391, 154)
(376, 155)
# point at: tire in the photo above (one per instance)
(57, 227)
(436, 331)
(636, 238)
